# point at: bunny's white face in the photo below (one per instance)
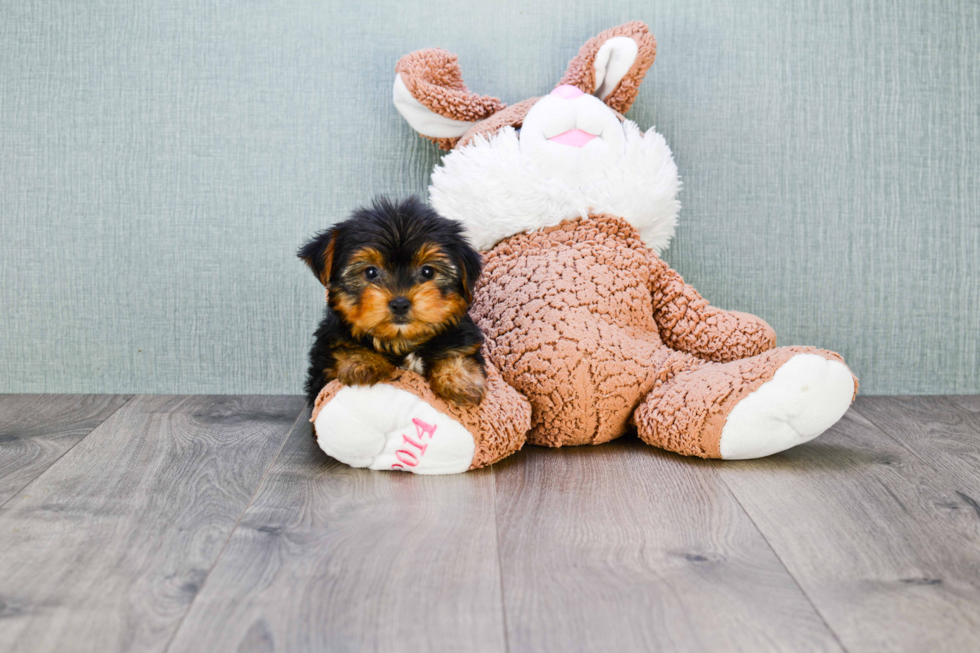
(568, 128)
(516, 182)
(571, 155)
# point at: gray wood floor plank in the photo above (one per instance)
(110, 544)
(330, 558)
(943, 431)
(36, 430)
(969, 403)
(623, 547)
(879, 543)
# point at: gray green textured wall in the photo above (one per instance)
(160, 163)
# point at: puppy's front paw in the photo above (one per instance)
(362, 367)
(458, 379)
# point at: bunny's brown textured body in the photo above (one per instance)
(577, 318)
(568, 316)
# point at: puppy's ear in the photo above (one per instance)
(469, 271)
(318, 254)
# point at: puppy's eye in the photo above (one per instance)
(371, 273)
(427, 272)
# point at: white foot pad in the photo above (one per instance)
(384, 427)
(804, 398)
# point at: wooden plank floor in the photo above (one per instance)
(154, 523)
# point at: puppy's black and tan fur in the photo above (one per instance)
(399, 281)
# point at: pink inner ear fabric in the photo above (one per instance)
(573, 137)
(567, 92)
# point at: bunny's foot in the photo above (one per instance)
(748, 408)
(402, 425)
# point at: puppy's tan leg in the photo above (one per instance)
(357, 366)
(459, 379)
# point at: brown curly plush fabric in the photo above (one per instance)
(688, 323)
(581, 70)
(434, 79)
(498, 425)
(578, 317)
(512, 116)
(686, 412)
(569, 321)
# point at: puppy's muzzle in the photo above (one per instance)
(399, 307)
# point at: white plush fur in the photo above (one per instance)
(804, 398)
(495, 190)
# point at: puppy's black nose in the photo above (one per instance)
(400, 305)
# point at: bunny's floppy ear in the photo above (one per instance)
(430, 94)
(612, 64)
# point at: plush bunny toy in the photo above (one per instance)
(588, 332)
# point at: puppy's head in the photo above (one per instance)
(397, 273)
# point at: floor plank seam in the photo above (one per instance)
(789, 573)
(500, 564)
(54, 462)
(231, 533)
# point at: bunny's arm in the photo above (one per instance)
(689, 324)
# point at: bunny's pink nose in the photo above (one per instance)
(567, 92)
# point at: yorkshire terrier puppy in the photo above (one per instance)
(399, 281)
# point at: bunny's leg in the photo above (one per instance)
(688, 323)
(747, 408)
